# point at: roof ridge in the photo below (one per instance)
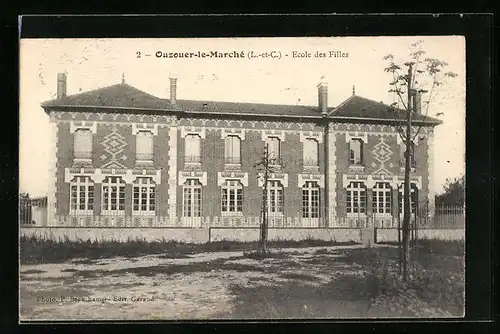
(257, 103)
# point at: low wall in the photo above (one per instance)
(202, 235)
(391, 234)
(191, 235)
(188, 235)
(253, 234)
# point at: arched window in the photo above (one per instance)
(232, 197)
(144, 196)
(232, 150)
(144, 146)
(356, 151)
(310, 200)
(192, 152)
(413, 198)
(382, 197)
(356, 198)
(83, 144)
(310, 153)
(81, 195)
(275, 197)
(113, 195)
(191, 200)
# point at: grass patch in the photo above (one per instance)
(436, 272)
(344, 297)
(33, 271)
(297, 276)
(35, 250)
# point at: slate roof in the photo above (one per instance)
(127, 97)
(116, 96)
(360, 107)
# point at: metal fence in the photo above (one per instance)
(32, 212)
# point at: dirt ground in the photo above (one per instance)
(295, 283)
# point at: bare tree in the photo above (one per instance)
(267, 165)
(408, 90)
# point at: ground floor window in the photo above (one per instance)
(81, 194)
(144, 195)
(232, 197)
(413, 198)
(191, 198)
(275, 197)
(310, 200)
(113, 195)
(381, 197)
(356, 198)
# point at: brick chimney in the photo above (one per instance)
(61, 85)
(173, 89)
(323, 95)
(417, 101)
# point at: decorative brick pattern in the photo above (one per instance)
(114, 144)
(382, 153)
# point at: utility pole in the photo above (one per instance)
(407, 202)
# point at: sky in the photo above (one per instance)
(95, 63)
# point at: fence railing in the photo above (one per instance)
(33, 211)
(445, 218)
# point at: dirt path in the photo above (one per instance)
(298, 283)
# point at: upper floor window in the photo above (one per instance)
(310, 200)
(232, 150)
(144, 195)
(81, 194)
(113, 195)
(232, 197)
(144, 146)
(192, 153)
(273, 145)
(83, 144)
(274, 197)
(356, 198)
(191, 199)
(310, 154)
(381, 197)
(413, 161)
(356, 152)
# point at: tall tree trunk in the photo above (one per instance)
(407, 204)
(264, 202)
